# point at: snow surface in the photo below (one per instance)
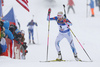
(86, 29)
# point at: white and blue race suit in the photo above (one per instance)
(31, 29)
(64, 32)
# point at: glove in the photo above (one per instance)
(26, 51)
(47, 18)
(64, 20)
(64, 15)
(22, 43)
(36, 24)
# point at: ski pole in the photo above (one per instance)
(37, 35)
(87, 9)
(74, 34)
(36, 31)
(49, 11)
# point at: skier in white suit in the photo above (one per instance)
(64, 32)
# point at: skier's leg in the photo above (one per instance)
(29, 31)
(33, 36)
(58, 39)
(70, 40)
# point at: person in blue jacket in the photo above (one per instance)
(64, 32)
(31, 30)
(92, 7)
(8, 33)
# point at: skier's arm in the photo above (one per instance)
(67, 21)
(54, 18)
(35, 23)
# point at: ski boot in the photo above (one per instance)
(77, 59)
(33, 42)
(59, 56)
(92, 15)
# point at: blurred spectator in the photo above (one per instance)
(96, 2)
(92, 7)
(3, 45)
(17, 36)
(8, 33)
(23, 45)
(70, 5)
(23, 34)
(12, 28)
(99, 4)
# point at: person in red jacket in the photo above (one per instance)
(70, 5)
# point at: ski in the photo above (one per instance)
(85, 61)
(54, 61)
(66, 61)
(57, 60)
(77, 61)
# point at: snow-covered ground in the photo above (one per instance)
(85, 28)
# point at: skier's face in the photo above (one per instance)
(60, 19)
(22, 34)
(31, 20)
(59, 15)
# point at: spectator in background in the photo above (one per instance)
(23, 35)
(8, 34)
(99, 4)
(23, 46)
(92, 7)
(70, 5)
(12, 28)
(96, 2)
(3, 45)
(17, 36)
